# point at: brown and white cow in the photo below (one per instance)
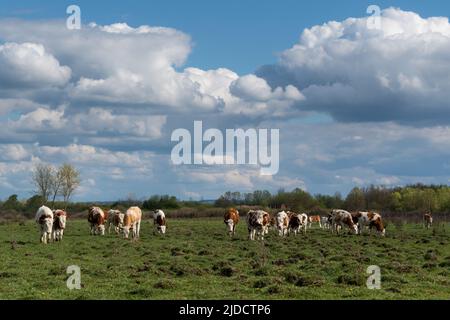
(44, 218)
(314, 219)
(231, 219)
(115, 220)
(427, 220)
(282, 223)
(303, 222)
(59, 224)
(132, 221)
(341, 218)
(295, 222)
(96, 219)
(159, 220)
(257, 224)
(369, 219)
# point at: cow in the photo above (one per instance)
(282, 223)
(44, 218)
(231, 219)
(257, 224)
(115, 220)
(159, 220)
(59, 224)
(295, 222)
(326, 222)
(369, 219)
(314, 219)
(132, 220)
(341, 218)
(96, 219)
(427, 220)
(303, 222)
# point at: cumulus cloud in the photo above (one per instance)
(121, 65)
(400, 72)
(29, 65)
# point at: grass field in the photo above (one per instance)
(196, 260)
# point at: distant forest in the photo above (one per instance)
(410, 199)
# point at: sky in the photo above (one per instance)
(355, 105)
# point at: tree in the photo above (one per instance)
(70, 181)
(57, 182)
(33, 203)
(355, 200)
(43, 179)
(12, 203)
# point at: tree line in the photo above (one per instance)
(55, 186)
(411, 198)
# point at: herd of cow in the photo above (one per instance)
(287, 222)
(52, 223)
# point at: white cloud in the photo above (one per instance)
(398, 73)
(29, 65)
(13, 152)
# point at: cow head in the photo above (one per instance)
(126, 231)
(229, 223)
(61, 220)
(46, 224)
(162, 229)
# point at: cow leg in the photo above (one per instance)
(138, 228)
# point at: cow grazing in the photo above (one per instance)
(159, 220)
(341, 218)
(326, 222)
(282, 223)
(96, 219)
(369, 219)
(115, 220)
(427, 220)
(44, 218)
(59, 224)
(314, 219)
(231, 219)
(257, 224)
(132, 222)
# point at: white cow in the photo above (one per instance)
(132, 221)
(282, 223)
(44, 217)
(326, 223)
(303, 222)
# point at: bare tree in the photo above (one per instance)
(70, 181)
(56, 184)
(43, 179)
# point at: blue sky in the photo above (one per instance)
(354, 105)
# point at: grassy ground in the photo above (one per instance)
(195, 260)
